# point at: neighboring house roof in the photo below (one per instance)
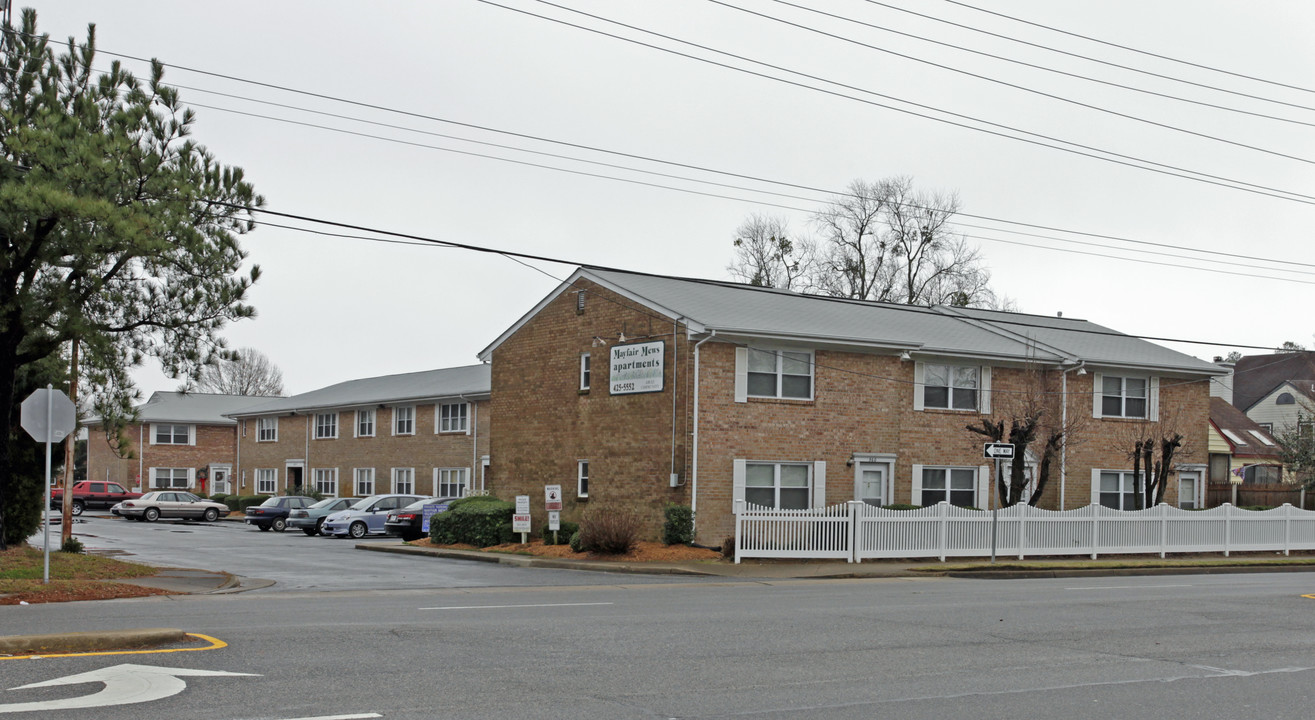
(471, 381)
(1255, 376)
(1243, 435)
(192, 408)
(745, 311)
(1303, 388)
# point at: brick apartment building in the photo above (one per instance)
(642, 390)
(423, 432)
(183, 441)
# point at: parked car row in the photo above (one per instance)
(397, 515)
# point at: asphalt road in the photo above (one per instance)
(1214, 646)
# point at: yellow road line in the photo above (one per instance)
(1312, 597)
(215, 644)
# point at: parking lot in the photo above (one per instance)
(297, 562)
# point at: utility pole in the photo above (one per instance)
(70, 444)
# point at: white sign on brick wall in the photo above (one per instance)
(637, 367)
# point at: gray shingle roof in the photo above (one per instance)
(736, 309)
(468, 381)
(198, 408)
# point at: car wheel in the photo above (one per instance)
(211, 515)
(263, 527)
(279, 525)
(151, 514)
(357, 530)
(319, 526)
(78, 507)
(310, 532)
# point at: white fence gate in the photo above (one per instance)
(856, 531)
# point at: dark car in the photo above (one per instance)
(310, 519)
(408, 522)
(273, 513)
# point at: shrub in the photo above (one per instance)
(507, 535)
(901, 506)
(728, 548)
(231, 502)
(678, 528)
(480, 523)
(247, 501)
(219, 497)
(575, 542)
(563, 535)
(72, 545)
(609, 530)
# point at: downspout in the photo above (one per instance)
(474, 443)
(141, 454)
(694, 470)
(1063, 449)
(675, 388)
(237, 453)
(305, 470)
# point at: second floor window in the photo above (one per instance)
(404, 421)
(172, 434)
(780, 374)
(326, 426)
(267, 429)
(364, 423)
(584, 371)
(1123, 397)
(950, 387)
(453, 417)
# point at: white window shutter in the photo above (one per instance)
(1095, 486)
(1096, 386)
(151, 430)
(918, 375)
(984, 404)
(737, 479)
(1153, 399)
(984, 481)
(191, 434)
(819, 484)
(470, 416)
(917, 486)
(741, 374)
(191, 478)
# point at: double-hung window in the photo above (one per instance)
(166, 434)
(404, 420)
(326, 426)
(584, 371)
(365, 423)
(165, 478)
(267, 480)
(1118, 490)
(267, 429)
(780, 373)
(1123, 396)
(450, 482)
(326, 481)
(958, 486)
(582, 478)
(364, 481)
(1262, 475)
(453, 417)
(950, 387)
(781, 486)
(404, 480)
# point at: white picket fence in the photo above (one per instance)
(856, 531)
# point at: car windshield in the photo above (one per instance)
(420, 504)
(365, 503)
(326, 503)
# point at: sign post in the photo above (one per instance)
(997, 452)
(520, 522)
(552, 502)
(48, 416)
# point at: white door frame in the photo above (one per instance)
(1200, 472)
(225, 471)
(885, 461)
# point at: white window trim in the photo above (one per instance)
(356, 481)
(816, 478)
(981, 491)
(886, 461)
(983, 387)
(191, 477)
(275, 421)
(465, 418)
(412, 410)
(1095, 485)
(333, 479)
(586, 371)
(334, 426)
(582, 476)
(191, 434)
(1152, 396)
(742, 374)
(464, 483)
(396, 472)
(273, 477)
(373, 420)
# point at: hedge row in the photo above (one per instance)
(480, 520)
(238, 503)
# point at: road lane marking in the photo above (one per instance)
(1124, 587)
(121, 685)
(357, 716)
(1312, 597)
(500, 607)
(215, 644)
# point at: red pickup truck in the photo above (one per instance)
(90, 494)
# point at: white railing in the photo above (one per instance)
(856, 531)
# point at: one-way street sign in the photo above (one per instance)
(998, 451)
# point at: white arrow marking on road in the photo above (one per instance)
(124, 685)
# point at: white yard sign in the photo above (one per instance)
(637, 367)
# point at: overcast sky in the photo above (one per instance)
(333, 309)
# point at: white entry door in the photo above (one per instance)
(871, 484)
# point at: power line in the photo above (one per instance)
(1141, 52)
(1023, 88)
(1082, 150)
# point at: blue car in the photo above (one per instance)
(366, 517)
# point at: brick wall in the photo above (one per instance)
(214, 444)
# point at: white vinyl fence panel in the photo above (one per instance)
(856, 531)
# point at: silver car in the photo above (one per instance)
(171, 504)
(366, 517)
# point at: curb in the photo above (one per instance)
(1124, 572)
(530, 561)
(75, 642)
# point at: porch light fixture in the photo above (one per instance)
(905, 356)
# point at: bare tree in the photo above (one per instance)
(245, 372)
(1028, 418)
(1152, 446)
(879, 240)
(767, 256)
